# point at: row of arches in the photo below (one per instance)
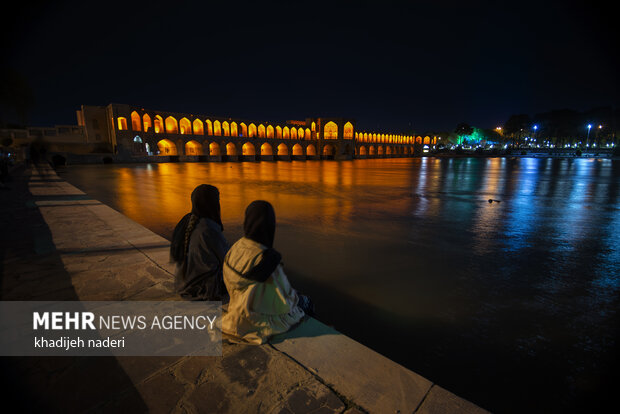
(184, 126)
(394, 139)
(383, 150)
(216, 128)
(195, 148)
(168, 147)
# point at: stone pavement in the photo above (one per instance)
(59, 244)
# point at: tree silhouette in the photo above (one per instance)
(516, 126)
(464, 129)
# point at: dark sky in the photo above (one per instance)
(390, 65)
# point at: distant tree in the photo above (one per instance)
(464, 129)
(515, 127)
(449, 138)
(603, 117)
(492, 135)
(558, 126)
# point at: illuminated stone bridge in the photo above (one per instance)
(136, 133)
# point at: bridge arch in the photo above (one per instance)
(261, 131)
(135, 121)
(158, 124)
(138, 146)
(300, 133)
(286, 133)
(298, 149)
(226, 129)
(293, 133)
(217, 128)
(233, 129)
(193, 147)
(122, 123)
(198, 127)
(362, 150)
(380, 150)
(278, 131)
(372, 150)
(348, 130)
(252, 131)
(167, 147)
(330, 130)
(215, 149)
(244, 129)
(185, 127)
(329, 150)
(172, 126)
(311, 150)
(269, 131)
(209, 127)
(146, 122)
(266, 149)
(231, 149)
(283, 149)
(308, 133)
(248, 149)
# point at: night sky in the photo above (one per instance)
(393, 66)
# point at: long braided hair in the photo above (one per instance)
(193, 219)
(205, 203)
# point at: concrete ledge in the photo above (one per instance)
(439, 401)
(368, 379)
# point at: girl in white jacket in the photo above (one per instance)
(262, 301)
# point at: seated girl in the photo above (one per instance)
(198, 248)
(262, 301)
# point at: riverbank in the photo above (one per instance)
(60, 244)
(606, 153)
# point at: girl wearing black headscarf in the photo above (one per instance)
(262, 301)
(198, 248)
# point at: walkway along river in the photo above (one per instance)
(512, 304)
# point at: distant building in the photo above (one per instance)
(134, 133)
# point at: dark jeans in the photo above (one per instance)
(306, 304)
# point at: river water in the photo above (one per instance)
(512, 305)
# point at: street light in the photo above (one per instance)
(588, 137)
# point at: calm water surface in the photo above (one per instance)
(512, 305)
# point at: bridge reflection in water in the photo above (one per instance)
(408, 256)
